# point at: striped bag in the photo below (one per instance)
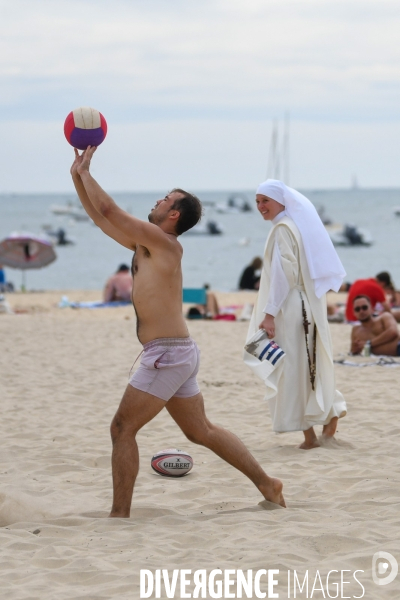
(263, 348)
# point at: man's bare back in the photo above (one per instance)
(380, 330)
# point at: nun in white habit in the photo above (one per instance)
(300, 265)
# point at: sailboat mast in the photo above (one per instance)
(273, 159)
(286, 148)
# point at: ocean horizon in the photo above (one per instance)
(214, 259)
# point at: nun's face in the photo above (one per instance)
(267, 207)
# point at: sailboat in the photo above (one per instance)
(70, 209)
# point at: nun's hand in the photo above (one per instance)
(268, 324)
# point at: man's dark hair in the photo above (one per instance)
(122, 268)
(362, 296)
(190, 209)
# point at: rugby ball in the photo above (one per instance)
(172, 462)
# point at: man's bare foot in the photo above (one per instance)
(272, 491)
(329, 430)
(310, 440)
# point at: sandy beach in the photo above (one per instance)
(63, 372)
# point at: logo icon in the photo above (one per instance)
(380, 565)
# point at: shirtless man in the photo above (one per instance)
(166, 376)
(381, 331)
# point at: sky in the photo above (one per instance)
(193, 89)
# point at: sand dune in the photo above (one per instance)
(63, 372)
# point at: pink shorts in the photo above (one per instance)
(168, 367)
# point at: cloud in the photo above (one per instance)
(331, 59)
(208, 75)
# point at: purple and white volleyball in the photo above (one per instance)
(85, 127)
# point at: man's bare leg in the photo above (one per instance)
(329, 430)
(136, 409)
(190, 415)
(310, 440)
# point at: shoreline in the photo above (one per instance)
(50, 298)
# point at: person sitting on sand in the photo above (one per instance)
(393, 296)
(380, 330)
(250, 278)
(170, 361)
(119, 286)
(5, 286)
(207, 311)
(371, 288)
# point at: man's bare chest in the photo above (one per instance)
(140, 260)
(375, 329)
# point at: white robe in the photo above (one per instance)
(293, 404)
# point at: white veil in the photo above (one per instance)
(324, 265)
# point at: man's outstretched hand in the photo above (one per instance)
(82, 161)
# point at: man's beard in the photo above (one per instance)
(154, 218)
(365, 319)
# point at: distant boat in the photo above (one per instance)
(207, 228)
(236, 203)
(396, 210)
(349, 235)
(58, 236)
(75, 211)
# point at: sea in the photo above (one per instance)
(214, 259)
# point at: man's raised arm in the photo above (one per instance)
(97, 218)
(127, 226)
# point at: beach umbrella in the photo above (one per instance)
(26, 251)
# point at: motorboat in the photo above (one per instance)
(210, 227)
(236, 203)
(349, 235)
(75, 211)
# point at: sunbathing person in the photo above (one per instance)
(119, 286)
(385, 281)
(393, 295)
(205, 311)
(380, 330)
(371, 288)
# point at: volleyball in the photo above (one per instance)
(85, 127)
